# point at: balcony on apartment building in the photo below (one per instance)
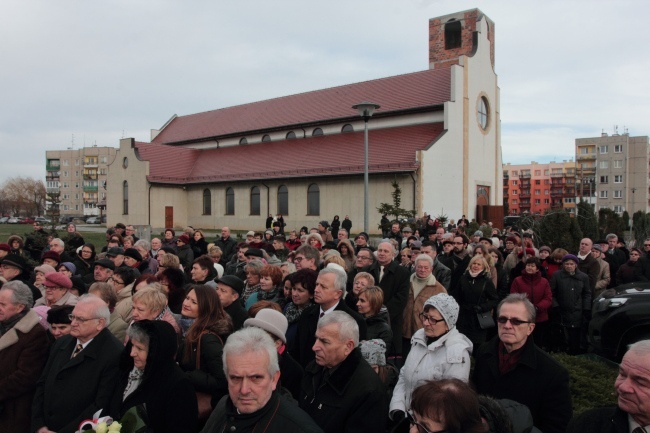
(53, 166)
(52, 190)
(557, 193)
(524, 205)
(90, 176)
(52, 176)
(524, 175)
(524, 194)
(585, 156)
(89, 163)
(90, 188)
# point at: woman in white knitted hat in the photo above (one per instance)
(438, 351)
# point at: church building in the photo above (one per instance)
(436, 132)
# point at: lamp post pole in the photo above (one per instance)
(365, 109)
(632, 214)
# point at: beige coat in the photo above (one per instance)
(124, 305)
(415, 305)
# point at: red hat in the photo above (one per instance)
(57, 279)
(184, 238)
(5, 247)
(52, 255)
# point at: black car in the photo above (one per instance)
(620, 316)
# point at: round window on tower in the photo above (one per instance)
(483, 113)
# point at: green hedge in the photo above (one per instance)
(591, 380)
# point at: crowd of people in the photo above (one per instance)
(308, 330)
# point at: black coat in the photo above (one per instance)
(379, 328)
(278, 416)
(351, 399)
(237, 313)
(538, 381)
(72, 390)
(228, 249)
(474, 295)
(209, 378)
(600, 420)
(395, 285)
(307, 324)
(572, 293)
(165, 392)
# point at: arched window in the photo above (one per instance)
(283, 200)
(317, 132)
(255, 200)
(244, 140)
(230, 201)
(313, 200)
(207, 202)
(347, 128)
(291, 135)
(266, 138)
(125, 197)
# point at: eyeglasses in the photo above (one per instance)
(81, 320)
(116, 281)
(646, 245)
(420, 427)
(298, 259)
(429, 319)
(363, 258)
(513, 321)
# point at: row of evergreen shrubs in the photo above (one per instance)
(591, 380)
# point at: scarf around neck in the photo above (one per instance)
(419, 284)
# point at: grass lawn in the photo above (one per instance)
(96, 237)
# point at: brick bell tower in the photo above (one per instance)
(455, 35)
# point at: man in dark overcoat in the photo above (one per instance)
(81, 372)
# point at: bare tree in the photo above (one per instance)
(24, 195)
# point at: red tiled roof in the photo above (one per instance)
(390, 150)
(418, 89)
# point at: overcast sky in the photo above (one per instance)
(100, 71)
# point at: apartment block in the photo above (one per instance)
(536, 188)
(613, 171)
(79, 176)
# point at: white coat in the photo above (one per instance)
(446, 358)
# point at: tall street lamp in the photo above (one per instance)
(365, 109)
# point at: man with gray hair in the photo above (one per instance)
(81, 372)
(511, 366)
(632, 413)
(328, 297)
(24, 347)
(340, 390)
(614, 256)
(250, 362)
(58, 246)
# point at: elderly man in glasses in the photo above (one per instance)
(511, 366)
(81, 372)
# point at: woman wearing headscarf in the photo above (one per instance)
(84, 262)
(438, 351)
(152, 383)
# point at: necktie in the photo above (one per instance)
(639, 430)
(78, 348)
(322, 313)
(381, 272)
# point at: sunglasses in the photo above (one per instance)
(513, 321)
